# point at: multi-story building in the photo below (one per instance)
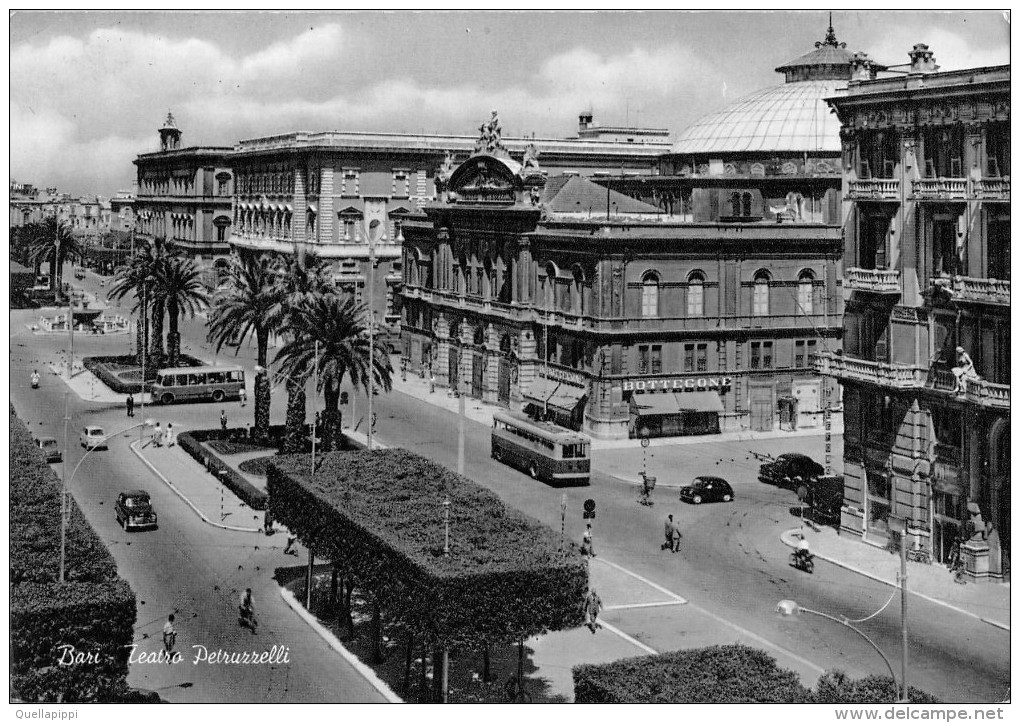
(926, 177)
(184, 196)
(29, 204)
(122, 213)
(324, 193)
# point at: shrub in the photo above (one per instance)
(716, 674)
(94, 610)
(835, 686)
(190, 442)
(379, 516)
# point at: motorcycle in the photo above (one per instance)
(803, 561)
(35, 381)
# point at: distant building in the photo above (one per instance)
(926, 158)
(184, 196)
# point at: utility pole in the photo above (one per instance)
(145, 343)
(315, 391)
(903, 607)
(63, 495)
(371, 332)
(70, 332)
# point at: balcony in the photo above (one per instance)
(874, 189)
(940, 189)
(992, 189)
(882, 374)
(979, 392)
(875, 281)
(973, 290)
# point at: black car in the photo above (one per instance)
(707, 489)
(135, 510)
(787, 467)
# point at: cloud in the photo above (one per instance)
(952, 51)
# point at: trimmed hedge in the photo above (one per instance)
(234, 481)
(94, 610)
(716, 674)
(97, 365)
(835, 686)
(379, 516)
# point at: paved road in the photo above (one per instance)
(733, 566)
(185, 566)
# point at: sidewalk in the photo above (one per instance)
(481, 412)
(987, 602)
(90, 388)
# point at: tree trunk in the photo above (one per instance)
(156, 335)
(437, 675)
(139, 340)
(377, 651)
(348, 612)
(520, 662)
(173, 338)
(486, 660)
(262, 388)
(293, 440)
(423, 689)
(331, 434)
(334, 596)
(409, 658)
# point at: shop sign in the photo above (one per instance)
(689, 384)
(574, 378)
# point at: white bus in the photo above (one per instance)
(197, 383)
(544, 451)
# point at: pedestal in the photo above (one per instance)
(975, 559)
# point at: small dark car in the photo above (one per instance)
(707, 489)
(134, 510)
(786, 467)
(50, 448)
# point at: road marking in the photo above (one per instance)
(645, 580)
(632, 606)
(629, 639)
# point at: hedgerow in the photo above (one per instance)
(93, 610)
(98, 366)
(835, 686)
(379, 516)
(190, 442)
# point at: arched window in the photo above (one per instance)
(650, 295)
(550, 286)
(578, 296)
(735, 204)
(805, 293)
(696, 295)
(747, 204)
(760, 301)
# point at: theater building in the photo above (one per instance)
(577, 302)
(926, 174)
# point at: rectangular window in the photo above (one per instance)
(643, 360)
(702, 359)
(766, 355)
(657, 359)
(688, 357)
(811, 352)
(756, 355)
(798, 354)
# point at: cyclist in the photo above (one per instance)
(35, 379)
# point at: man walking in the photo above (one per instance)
(672, 542)
(130, 404)
(587, 546)
(244, 396)
(170, 434)
(169, 638)
(592, 607)
(157, 436)
(223, 419)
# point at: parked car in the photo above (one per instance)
(134, 510)
(782, 471)
(707, 489)
(92, 437)
(50, 448)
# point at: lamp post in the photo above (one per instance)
(790, 608)
(371, 330)
(446, 650)
(899, 524)
(145, 342)
(67, 480)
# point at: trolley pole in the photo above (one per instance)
(63, 495)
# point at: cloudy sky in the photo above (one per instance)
(89, 89)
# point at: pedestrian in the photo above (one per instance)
(169, 434)
(130, 404)
(592, 607)
(267, 522)
(157, 436)
(223, 419)
(432, 382)
(587, 548)
(169, 638)
(243, 396)
(403, 370)
(670, 533)
(290, 549)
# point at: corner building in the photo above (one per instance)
(926, 177)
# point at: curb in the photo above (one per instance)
(168, 483)
(366, 672)
(876, 578)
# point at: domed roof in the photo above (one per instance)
(788, 118)
(791, 117)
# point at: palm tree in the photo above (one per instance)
(54, 242)
(140, 272)
(244, 307)
(179, 285)
(299, 278)
(337, 323)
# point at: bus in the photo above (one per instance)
(544, 451)
(197, 383)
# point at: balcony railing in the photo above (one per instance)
(883, 374)
(992, 188)
(877, 281)
(882, 189)
(967, 288)
(975, 391)
(940, 189)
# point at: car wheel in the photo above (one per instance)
(696, 499)
(167, 398)
(217, 395)
(533, 470)
(727, 498)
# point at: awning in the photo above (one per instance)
(540, 390)
(699, 401)
(647, 404)
(566, 397)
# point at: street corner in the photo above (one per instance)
(622, 589)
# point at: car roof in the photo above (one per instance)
(135, 493)
(93, 428)
(710, 478)
(47, 439)
(795, 455)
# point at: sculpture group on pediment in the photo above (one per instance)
(490, 136)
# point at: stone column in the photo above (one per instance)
(525, 281)
(326, 218)
(299, 220)
(441, 352)
(490, 378)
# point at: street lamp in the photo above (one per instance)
(67, 480)
(370, 235)
(791, 608)
(259, 369)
